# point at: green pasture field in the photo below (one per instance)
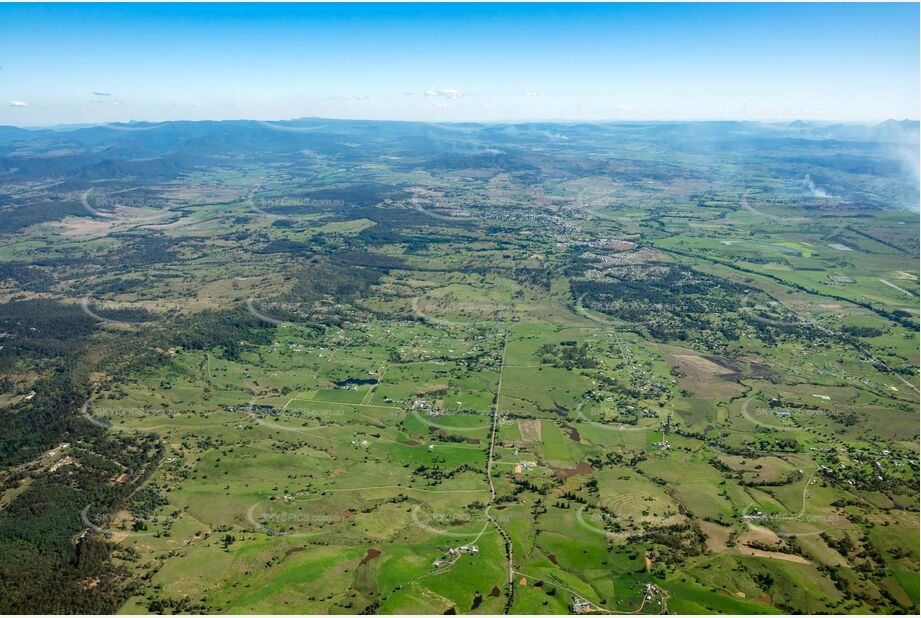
(738, 448)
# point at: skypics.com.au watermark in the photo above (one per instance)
(424, 313)
(92, 202)
(813, 523)
(118, 313)
(764, 413)
(288, 205)
(104, 415)
(282, 313)
(122, 525)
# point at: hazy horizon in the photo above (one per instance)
(561, 121)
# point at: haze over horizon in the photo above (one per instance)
(453, 63)
(561, 121)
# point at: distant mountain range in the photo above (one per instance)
(157, 152)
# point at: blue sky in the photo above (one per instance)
(99, 63)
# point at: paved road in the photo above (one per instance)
(509, 550)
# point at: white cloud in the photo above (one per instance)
(448, 93)
(529, 93)
(18, 104)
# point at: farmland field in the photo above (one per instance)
(349, 367)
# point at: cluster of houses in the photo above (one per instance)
(525, 466)
(578, 606)
(421, 405)
(581, 606)
(454, 554)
